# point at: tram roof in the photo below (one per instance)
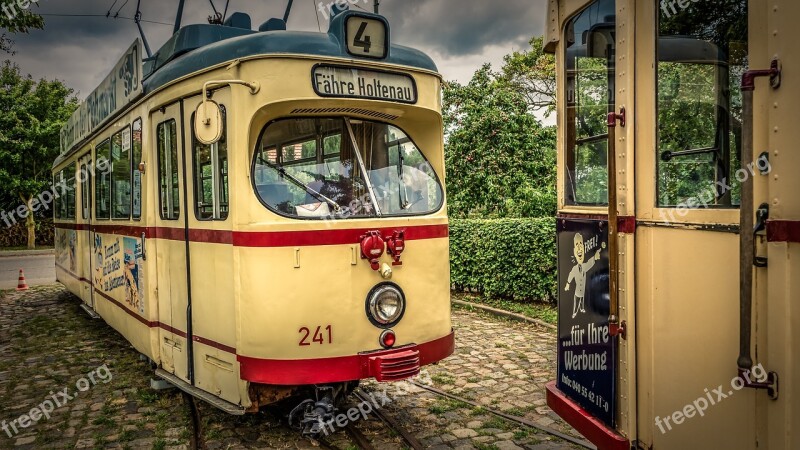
(195, 47)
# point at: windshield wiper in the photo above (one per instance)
(403, 188)
(318, 195)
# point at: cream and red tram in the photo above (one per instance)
(262, 213)
(678, 223)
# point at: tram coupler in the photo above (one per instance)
(311, 417)
(770, 384)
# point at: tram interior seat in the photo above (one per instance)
(239, 20)
(273, 25)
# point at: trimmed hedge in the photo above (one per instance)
(506, 258)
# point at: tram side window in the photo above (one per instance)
(64, 181)
(702, 56)
(69, 176)
(211, 179)
(590, 62)
(136, 174)
(121, 174)
(169, 190)
(86, 197)
(102, 189)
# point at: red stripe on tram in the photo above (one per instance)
(151, 324)
(783, 231)
(331, 237)
(262, 239)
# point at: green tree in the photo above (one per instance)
(22, 22)
(501, 161)
(532, 72)
(33, 114)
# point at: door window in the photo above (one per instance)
(169, 189)
(136, 175)
(702, 56)
(589, 62)
(102, 189)
(211, 179)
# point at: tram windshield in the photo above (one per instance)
(323, 168)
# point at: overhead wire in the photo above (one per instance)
(108, 14)
(120, 9)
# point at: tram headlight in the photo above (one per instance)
(386, 305)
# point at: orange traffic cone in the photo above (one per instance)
(23, 285)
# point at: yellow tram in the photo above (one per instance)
(679, 223)
(262, 213)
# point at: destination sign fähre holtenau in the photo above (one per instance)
(336, 81)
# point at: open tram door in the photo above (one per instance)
(170, 245)
(656, 326)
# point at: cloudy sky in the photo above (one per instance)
(79, 45)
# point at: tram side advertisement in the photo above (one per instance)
(586, 350)
(119, 267)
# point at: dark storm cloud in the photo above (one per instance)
(460, 34)
(458, 27)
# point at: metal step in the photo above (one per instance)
(89, 311)
(226, 406)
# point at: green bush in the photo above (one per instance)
(17, 234)
(505, 258)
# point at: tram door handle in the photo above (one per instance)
(144, 246)
(762, 215)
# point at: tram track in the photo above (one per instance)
(363, 443)
(509, 417)
(197, 441)
(392, 423)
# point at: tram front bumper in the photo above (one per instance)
(383, 365)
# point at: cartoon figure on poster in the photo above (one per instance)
(131, 281)
(134, 275)
(73, 260)
(579, 272)
(98, 260)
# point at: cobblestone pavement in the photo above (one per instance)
(48, 344)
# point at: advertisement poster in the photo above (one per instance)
(586, 350)
(119, 269)
(66, 240)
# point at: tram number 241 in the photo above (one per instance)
(321, 336)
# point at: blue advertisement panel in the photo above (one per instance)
(586, 350)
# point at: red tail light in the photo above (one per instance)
(388, 339)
